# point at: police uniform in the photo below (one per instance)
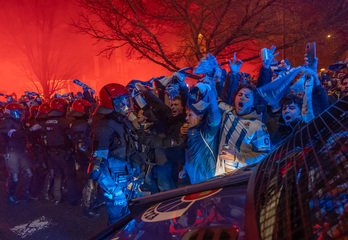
(80, 132)
(111, 140)
(112, 147)
(59, 150)
(13, 145)
(43, 152)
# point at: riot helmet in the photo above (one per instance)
(15, 110)
(34, 111)
(116, 97)
(44, 108)
(80, 108)
(59, 104)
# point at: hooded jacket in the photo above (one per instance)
(246, 135)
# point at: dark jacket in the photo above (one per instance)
(80, 133)
(230, 87)
(283, 131)
(57, 132)
(320, 100)
(171, 130)
(265, 77)
(13, 135)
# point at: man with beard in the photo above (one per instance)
(170, 157)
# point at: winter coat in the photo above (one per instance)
(320, 100)
(201, 152)
(283, 131)
(171, 131)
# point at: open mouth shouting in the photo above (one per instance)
(287, 118)
(240, 106)
(243, 101)
(174, 112)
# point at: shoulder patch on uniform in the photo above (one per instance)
(10, 132)
(52, 121)
(101, 153)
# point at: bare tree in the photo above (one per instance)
(34, 28)
(174, 33)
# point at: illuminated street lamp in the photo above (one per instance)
(202, 43)
(328, 36)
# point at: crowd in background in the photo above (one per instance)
(176, 136)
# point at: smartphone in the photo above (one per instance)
(310, 50)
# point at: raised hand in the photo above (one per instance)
(309, 72)
(140, 87)
(312, 65)
(235, 65)
(267, 62)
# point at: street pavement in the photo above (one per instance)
(42, 220)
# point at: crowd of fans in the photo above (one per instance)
(176, 135)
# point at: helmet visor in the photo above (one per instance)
(123, 104)
(17, 113)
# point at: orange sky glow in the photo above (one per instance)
(68, 51)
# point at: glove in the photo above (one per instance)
(119, 199)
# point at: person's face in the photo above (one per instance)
(141, 117)
(324, 84)
(244, 101)
(282, 63)
(344, 87)
(290, 113)
(176, 108)
(192, 118)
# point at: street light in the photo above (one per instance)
(328, 36)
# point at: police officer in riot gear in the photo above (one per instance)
(112, 146)
(13, 146)
(34, 150)
(80, 132)
(59, 150)
(41, 119)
